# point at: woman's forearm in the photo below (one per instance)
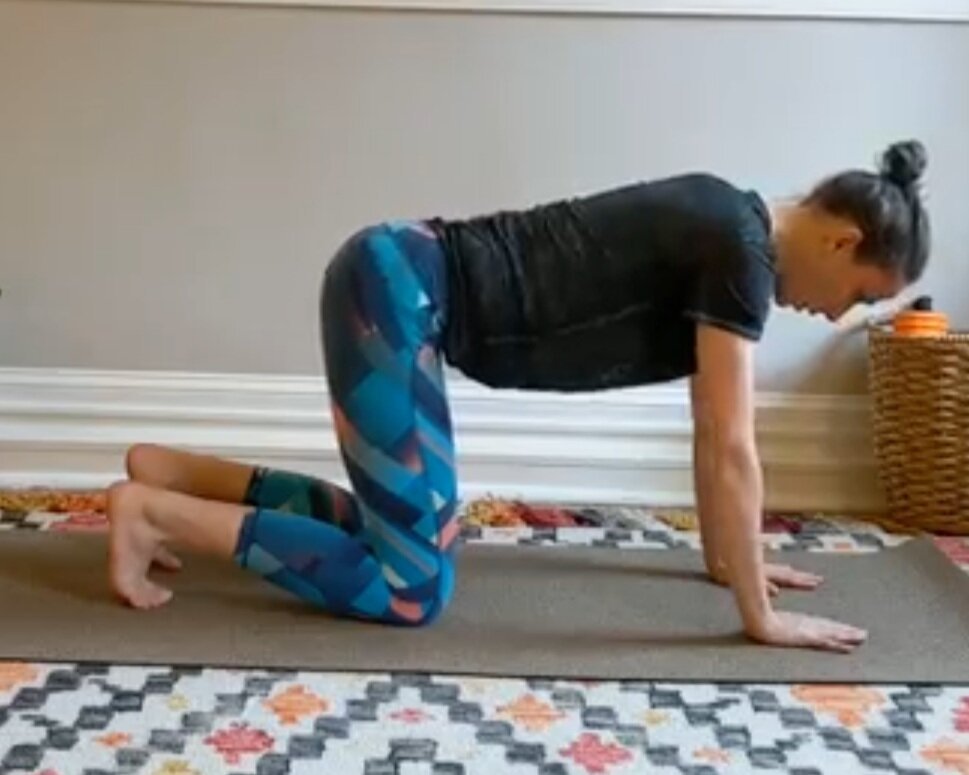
(703, 485)
(735, 499)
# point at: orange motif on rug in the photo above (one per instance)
(849, 704)
(531, 713)
(294, 704)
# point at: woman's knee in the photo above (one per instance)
(437, 596)
(432, 611)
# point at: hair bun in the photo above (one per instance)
(903, 163)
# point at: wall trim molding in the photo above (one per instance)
(897, 10)
(71, 427)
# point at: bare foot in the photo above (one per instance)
(134, 545)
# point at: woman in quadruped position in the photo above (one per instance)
(647, 283)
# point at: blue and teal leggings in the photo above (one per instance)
(385, 551)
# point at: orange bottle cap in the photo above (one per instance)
(920, 323)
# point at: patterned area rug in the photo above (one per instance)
(66, 719)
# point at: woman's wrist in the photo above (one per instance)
(755, 610)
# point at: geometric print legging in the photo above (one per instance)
(384, 552)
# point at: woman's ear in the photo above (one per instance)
(846, 237)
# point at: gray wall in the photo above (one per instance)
(174, 178)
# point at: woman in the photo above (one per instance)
(652, 282)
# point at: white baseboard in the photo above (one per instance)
(71, 427)
(901, 10)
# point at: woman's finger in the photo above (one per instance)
(839, 646)
(853, 635)
(165, 559)
(791, 577)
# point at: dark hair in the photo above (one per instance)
(886, 206)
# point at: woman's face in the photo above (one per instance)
(819, 271)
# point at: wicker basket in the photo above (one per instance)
(920, 401)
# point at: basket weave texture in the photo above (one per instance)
(920, 404)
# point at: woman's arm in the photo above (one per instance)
(732, 498)
(703, 482)
(704, 471)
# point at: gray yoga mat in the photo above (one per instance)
(518, 611)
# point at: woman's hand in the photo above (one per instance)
(778, 577)
(784, 628)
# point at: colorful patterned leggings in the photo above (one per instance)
(384, 552)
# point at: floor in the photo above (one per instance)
(66, 719)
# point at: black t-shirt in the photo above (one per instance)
(606, 291)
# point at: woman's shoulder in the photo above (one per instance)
(718, 201)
